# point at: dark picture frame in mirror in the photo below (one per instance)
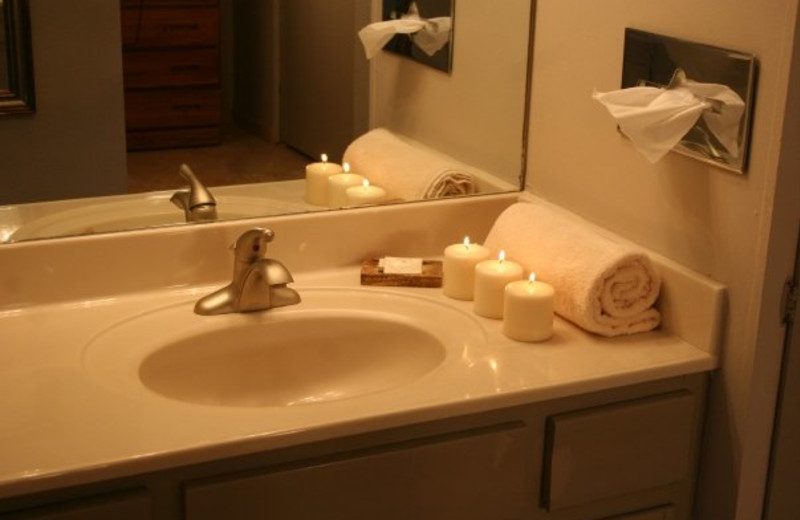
(17, 93)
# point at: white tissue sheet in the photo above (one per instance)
(430, 35)
(656, 119)
(725, 122)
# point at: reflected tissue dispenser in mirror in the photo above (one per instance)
(702, 109)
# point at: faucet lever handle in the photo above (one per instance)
(198, 194)
(252, 244)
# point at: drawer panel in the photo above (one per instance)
(475, 476)
(170, 27)
(617, 450)
(168, 68)
(123, 506)
(173, 138)
(659, 513)
(172, 108)
(167, 3)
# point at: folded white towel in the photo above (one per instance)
(601, 285)
(406, 169)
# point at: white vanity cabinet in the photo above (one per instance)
(135, 505)
(481, 474)
(627, 454)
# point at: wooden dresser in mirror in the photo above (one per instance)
(171, 69)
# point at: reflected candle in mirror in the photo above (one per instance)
(491, 278)
(317, 175)
(338, 185)
(364, 194)
(528, 310)
(459, 269)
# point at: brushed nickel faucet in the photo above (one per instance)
(196, 202)
(259, 283)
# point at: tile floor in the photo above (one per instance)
(242, 158)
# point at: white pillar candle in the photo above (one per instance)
(338, 184)
(317, 180)
(528, 310)
(459, 269)
(491, 278)
(364, 194)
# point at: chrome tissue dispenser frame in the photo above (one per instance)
(258, 284)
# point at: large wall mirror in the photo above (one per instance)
(247, 93)
(17, 94)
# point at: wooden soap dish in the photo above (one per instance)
(431, 275)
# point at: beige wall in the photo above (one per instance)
(74, 146)
(713, 221)
(476, 113)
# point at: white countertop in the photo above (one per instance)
(61, 427)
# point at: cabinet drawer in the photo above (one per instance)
(166, 3)
(172, 108)
(173, 138)
(143, 69)
(473, 476)
(617, 450)
(170, 27)
(124, 506)
(659, 513)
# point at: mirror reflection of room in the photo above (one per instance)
(225, 86)
(255, 92)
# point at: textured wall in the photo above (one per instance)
(74, 146)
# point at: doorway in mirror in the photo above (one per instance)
(242, 90)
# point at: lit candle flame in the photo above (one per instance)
(365, 183)
(501, 257)
(466, 242)
(346, 167)
(532, 278)
(324, 157)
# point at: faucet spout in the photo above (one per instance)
(197, 203)
(258, 284)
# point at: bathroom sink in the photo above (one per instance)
(150, 210)
(335, 344)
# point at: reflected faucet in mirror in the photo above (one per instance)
(259, 283)
(196, 201)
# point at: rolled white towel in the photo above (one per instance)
(601, 285)
(405, 169)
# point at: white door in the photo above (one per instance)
(324, 80)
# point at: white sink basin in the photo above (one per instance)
(336, 344)
(133, 213)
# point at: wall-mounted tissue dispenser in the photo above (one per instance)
(653, 60)
(431, 46)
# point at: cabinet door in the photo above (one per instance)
(617, 450)
(324, 79)
(485, 475)
(130, 506)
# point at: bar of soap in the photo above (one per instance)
(430, 275)
(399, 265)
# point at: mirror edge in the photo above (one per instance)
(526, 120)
